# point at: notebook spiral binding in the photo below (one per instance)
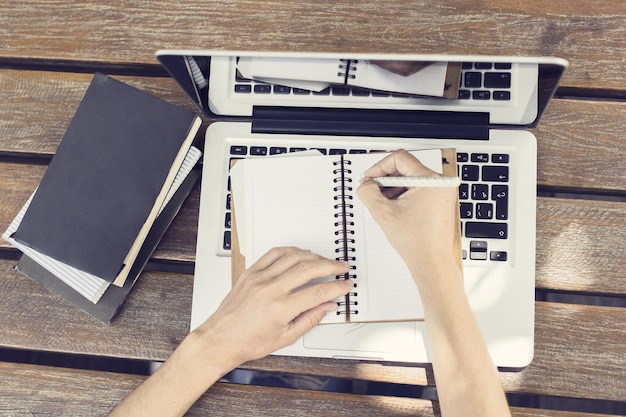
(344, 242)
(346, 69)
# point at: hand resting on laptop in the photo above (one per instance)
(268, 308)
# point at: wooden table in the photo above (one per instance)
(48, 53)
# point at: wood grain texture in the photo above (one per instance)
(155, 319)
(31, 390)
(580, 246)
(38, 390)
(579, 242)
(577, 140)
(581, 144)
(592, 38)
(36, 107)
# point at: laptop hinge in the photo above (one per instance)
(370, 122)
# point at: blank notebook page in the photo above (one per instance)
(290, 201)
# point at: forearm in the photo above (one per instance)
(179, 382)
(467, 381)
(269, 307)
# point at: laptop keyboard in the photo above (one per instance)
(480, 81)
(483, 197)
(484, 202)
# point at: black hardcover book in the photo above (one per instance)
(102, 190)
(113, 298)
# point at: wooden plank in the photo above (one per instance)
(579, 352)
(129, 32)
(158, 311)
(576, 139)
(34, 390)
(580, 144)
(580, 245)
(36, 107)
(579, 242)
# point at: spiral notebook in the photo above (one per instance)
(437, 79)
(315, 206)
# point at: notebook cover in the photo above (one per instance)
(105, 177)
(111, 301)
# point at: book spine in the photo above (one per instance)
(344, 233)
(346, 69)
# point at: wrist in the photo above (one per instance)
(213, 359)
(442, 274)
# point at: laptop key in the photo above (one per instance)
(262, 89)
(496, 173)
(497, 80)
(484, 211)
(502, 65)
(467, 210)
(238, 150)
(341, 91)
(500, 194)
(481, 95)
(469, 172)
(464, 94)
(281, 89)
(323, 92)
(480, 157)
(463, 191)
(497, 255)
(258, 150)
(243, 88)
(480, 191)
(502, 95)
(276, 150)
(473, 79)
(500, 158)
(301, 91)
(226, 243)
(486, 230)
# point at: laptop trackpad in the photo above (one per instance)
(395, 340)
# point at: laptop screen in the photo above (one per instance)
(463, 90)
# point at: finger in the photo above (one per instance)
(307, 269)
(370, 194)
(399, 162)
(403, 68)
(271, 256)
(296, 268)
(309, 319)
(314, 295)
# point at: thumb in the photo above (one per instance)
(310, 318)
(369, 193)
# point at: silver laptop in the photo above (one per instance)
(487, 121)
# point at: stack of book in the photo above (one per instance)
(117, 180)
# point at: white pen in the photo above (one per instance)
(446, 182)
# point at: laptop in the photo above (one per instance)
(486, 121)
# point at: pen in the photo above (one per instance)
(418, 181)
